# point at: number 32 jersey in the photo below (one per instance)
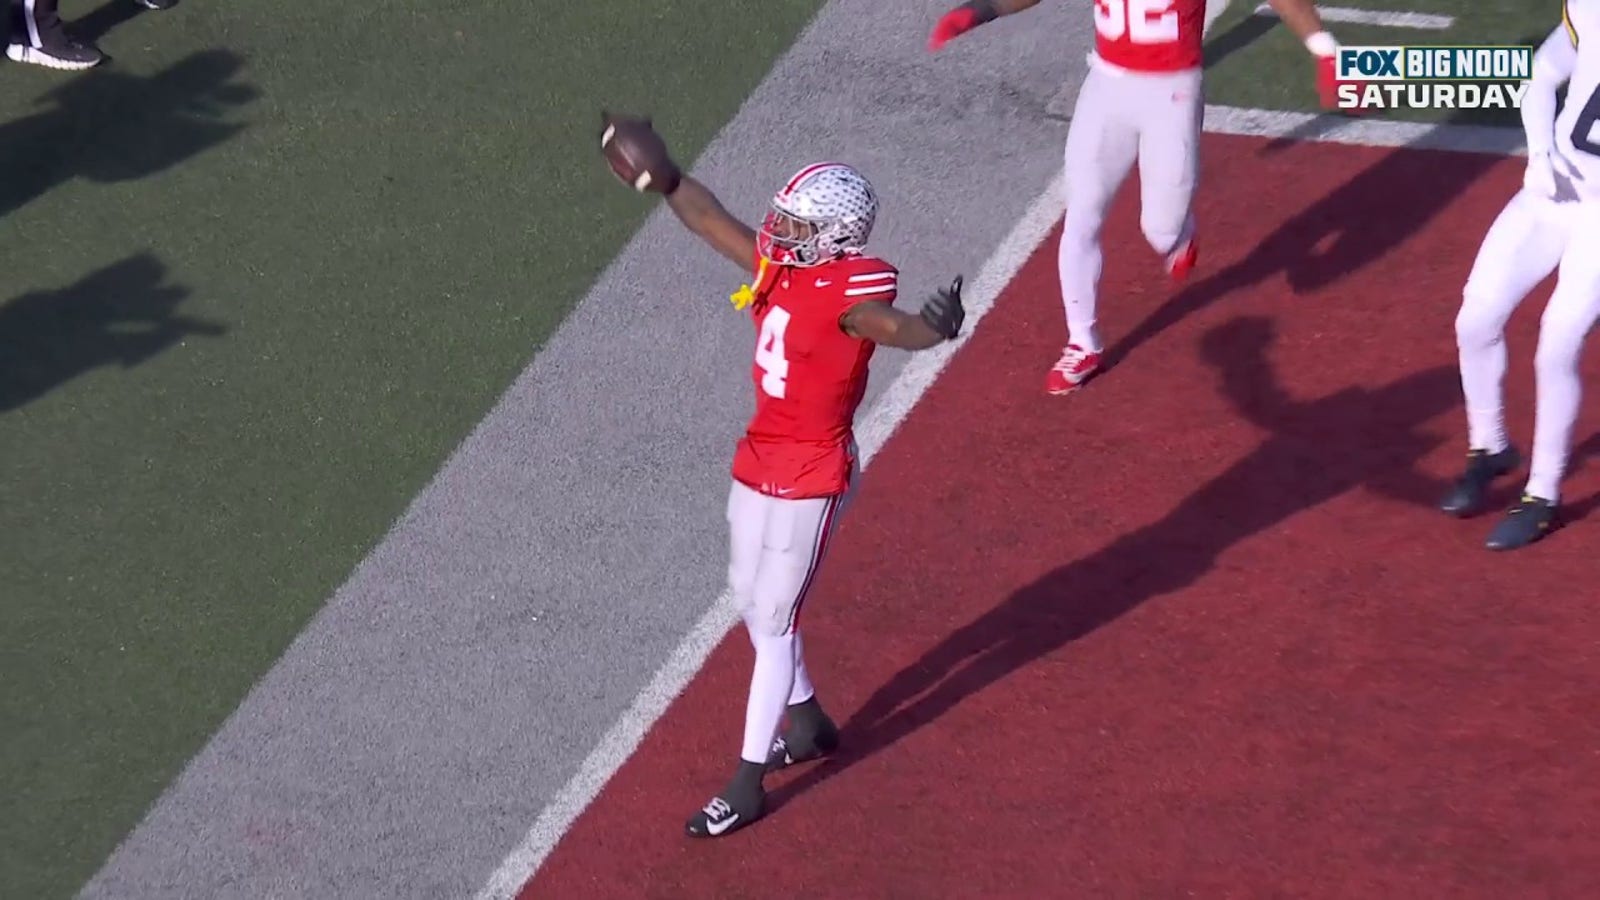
(809, 375)
(1150, 35)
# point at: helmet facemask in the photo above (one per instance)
(790, 240)
(826, 212)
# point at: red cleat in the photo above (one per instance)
(1071, 371)
(1182, 260)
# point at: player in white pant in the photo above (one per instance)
(1141, 102)
(1551, 224)
(775, 549)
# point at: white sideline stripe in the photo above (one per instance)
(1214, 8)
(1364, 132)
(623, 738)
(1422, 21)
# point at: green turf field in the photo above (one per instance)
(264, 271)
(1252, 62)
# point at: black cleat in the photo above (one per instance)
(1467, 495)
(800, 744)
(724, 815)
(62, 55)
(1531, 519)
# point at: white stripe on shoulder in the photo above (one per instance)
(874, 276)
(869, 289)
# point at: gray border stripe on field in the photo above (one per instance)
(1335, 129)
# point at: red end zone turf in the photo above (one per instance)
(1197, 628)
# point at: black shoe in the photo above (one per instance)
(1467, 495)
(725, 814)
(157, 4)
(1531, 519)
(64, 55)
(803, 743)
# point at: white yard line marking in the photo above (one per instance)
(1422, 21)
(1364, 132)
(1214, 8)
(872, 432)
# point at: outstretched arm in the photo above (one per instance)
(640, 159)
(970, 15)
(939, 321)
(882, 324)
(1302, 18)
(700, 211)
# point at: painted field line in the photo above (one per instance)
(872, 431)
(1336, 129)
(1214, 9)
(1422, 21)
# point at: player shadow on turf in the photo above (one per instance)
(1572, 510)
(109, 126)
(120, 315)
(1333, 238)
(1239, 35)
(102, 21)
(1363, 437)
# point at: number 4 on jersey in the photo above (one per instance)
(1143, 21)
(770, 352)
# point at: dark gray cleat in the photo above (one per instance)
(800, 744)
(1531, 519)
(1468, 495)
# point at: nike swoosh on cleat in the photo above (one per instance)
(716, 828)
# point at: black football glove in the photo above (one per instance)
(943, 311)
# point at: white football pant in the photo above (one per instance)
(1121, 117)
(1531, 237)
(775, 547)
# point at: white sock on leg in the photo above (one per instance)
(771, 682)
(802, 690)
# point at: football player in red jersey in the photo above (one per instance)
(820, 306)
(1141, 101)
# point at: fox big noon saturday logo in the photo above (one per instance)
(1477, 77)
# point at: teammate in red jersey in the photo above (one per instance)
(820, 305)
(1141, 101)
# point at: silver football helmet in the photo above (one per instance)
(825, 211)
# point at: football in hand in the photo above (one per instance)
(636, 154)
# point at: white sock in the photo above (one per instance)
(802, 690)
(1560, 393)
(1483, 370)
(1078, 262)
(771, 682)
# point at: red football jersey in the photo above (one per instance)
(1150, 35)
(809, 375)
